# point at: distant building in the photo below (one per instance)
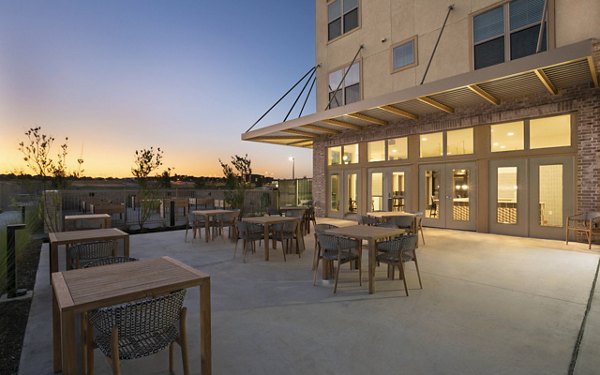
(497, 131)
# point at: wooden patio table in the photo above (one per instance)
(78, 291)
(104, 219)
(372, 234)
(266, 221)
(82, 236)
(207, 215)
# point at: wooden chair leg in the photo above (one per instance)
(418, 273)
(337, 276)
(171, 358)
(116, 363)
(401, 269)
(182, 341)
(316, 269)
(89, 348)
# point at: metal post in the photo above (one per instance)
(172, 213)
(450, 8)
(11, 262)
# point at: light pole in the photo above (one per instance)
(293, 167)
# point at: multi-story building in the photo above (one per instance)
(483, 114)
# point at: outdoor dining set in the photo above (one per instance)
(112, 293)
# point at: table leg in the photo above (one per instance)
(126, 246)
(206, 227)
(67, 325)
(56, 339)
(266, 238)
(205, 329)
(371, 266)
(53, 254)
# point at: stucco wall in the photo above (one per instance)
(397, 20)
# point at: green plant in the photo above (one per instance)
(146, 162)
(36, 154)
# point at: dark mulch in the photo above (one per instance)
(13, 315)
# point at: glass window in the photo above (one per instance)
(376, 151)
(334, 155)
(376, 191)
(350, 154)
(551, 195)
(403, 55)
(341, 15)
(349, 89)
(460, 197)
(506, 206)
(335, 192)
(459, 142)
(432, 145)
(432, 186)
(507, 137)
(550, 132)
(522, 19)
(398, 191)
(397, 148)
(352, 189)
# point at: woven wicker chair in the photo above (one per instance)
(319, 229)
(272, 211)
(227, 220)
(83, 253)
(309, 217)
(138, 329)
(367, 220)
(340, 249)
(109, 260)
(286, 233)
(586, 223)
(398, 251)
(249, 233)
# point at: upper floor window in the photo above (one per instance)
(342, 16)
(404, 55)
(508, 32)
(390, 149)
(349, 90)
(346, 154)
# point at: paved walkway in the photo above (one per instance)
(490, 305)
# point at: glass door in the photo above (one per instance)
(387, 189)
(508, 197)
(449, 195)
(334, 208)
(551, 196)
(351, 192)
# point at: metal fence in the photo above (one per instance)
(295, 192)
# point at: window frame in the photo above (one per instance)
(341, 18)
(507, 32)
(415, 49)
(343, 87)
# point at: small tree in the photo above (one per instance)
(236, 183)
(146, 162)
(36, 153)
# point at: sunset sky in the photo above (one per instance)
(186, 76)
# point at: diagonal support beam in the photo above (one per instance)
(546, 81)
(435, 104)
(320, 129)
(342, 124)
(484, 94)
(300, 132)
(370, 119)
(593, 70)
(398, 112)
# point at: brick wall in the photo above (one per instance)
(584, 101)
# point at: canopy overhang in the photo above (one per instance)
(548, 71)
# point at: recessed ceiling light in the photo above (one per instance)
(510, 134)
(424, 139)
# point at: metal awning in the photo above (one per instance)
(544, 72)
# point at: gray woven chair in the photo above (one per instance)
(272, 211)
(138, 329)
(319, 228)
(249, 233)
(83, 253)
(337, 249)
(227, 220)
(398, 251)
(404, 222)
(107, 261)
(286, 233)
(367, 220)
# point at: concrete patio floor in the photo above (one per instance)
(490, 304)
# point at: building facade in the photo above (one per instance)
(484, 115)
